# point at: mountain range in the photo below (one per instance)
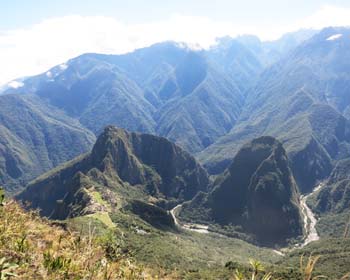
(301, 100)
(234, 132)
(187, 160)
(191, 97)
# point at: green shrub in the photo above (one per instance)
(59, 263)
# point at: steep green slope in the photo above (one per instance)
(122, 166)
(35, 138)
(334, 197)
(295, 101)
(204, 114)
(95, 92)
(125, 186)
(188, 96)
(257, 192)
(332, 202)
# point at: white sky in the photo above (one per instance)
(37, 47)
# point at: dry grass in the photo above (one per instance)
(307, 269)
(33, 248)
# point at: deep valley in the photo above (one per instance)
(188, 162)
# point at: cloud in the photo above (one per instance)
(334, 37)
(35, 49)
(15, 84)
(327, 15)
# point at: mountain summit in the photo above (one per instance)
(257, 192)
(122, 166)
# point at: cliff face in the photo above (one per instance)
(122, 166)
(257, 192)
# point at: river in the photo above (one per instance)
(189, 226)
(309, 220)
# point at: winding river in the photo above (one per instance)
(308, 218)
(191, 227)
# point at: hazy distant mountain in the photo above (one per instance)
(217, 99)
(257, 192)
(302, 101)
(187, 96)
(269, 52)
(35, 138)
(121, 167)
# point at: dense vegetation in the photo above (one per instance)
(190, 97)
(256, 194)
(332, 203)
(35, 138)
(114, 203)
(301, 101)
(122, 166)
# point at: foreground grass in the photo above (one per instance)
(34, 248)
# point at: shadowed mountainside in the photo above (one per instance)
(257, 192)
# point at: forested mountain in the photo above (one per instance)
(122, 166)
(332, 202)
(302, 101)
(34, 138)
(166, 89)
(185, 95)
(166, 141)
(256, 192)
(268, 120)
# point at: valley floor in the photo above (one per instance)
(188, 226)
(309, 220)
